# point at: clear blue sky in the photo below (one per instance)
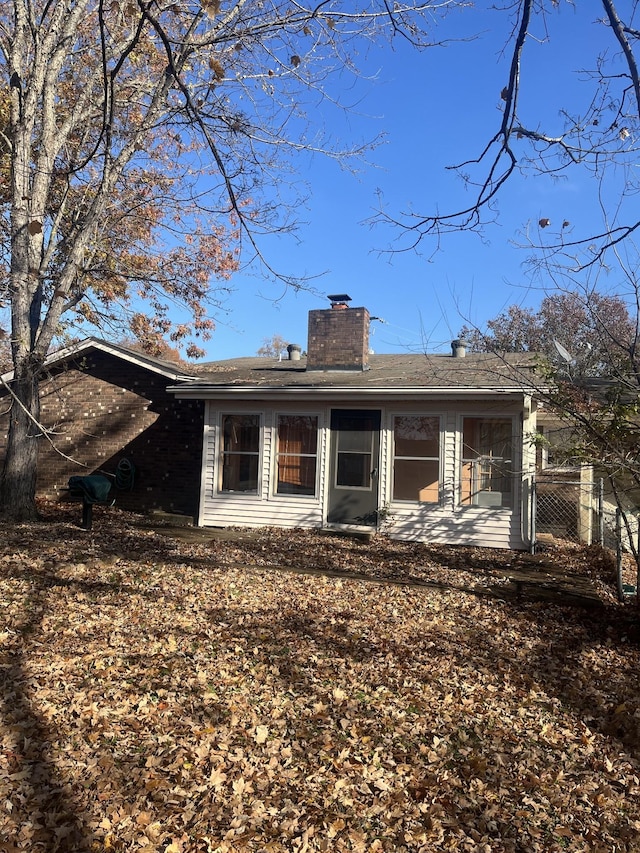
(436, 108)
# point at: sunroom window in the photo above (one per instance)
(240, 453)
(416, 458)
(297, 454)
(487, 453)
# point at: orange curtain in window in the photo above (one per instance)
(297, 446)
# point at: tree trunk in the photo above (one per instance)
(18, 479)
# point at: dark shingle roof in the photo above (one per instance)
(509, 372)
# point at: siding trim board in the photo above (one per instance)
(339, 395)
(75, 353)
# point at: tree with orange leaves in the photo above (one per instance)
(142, 136)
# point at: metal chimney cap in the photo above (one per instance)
(339, 297)
(459, 348)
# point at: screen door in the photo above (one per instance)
(355, 450)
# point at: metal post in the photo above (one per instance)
(619, 554)
(637, 556)
(601, 510)
(532, 535)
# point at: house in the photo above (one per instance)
(103, 402)
(431, 448)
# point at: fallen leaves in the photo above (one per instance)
(165, 696)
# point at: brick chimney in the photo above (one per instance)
(338, 337)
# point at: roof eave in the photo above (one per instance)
(256, 392)
(76, 350)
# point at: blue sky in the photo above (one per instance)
(435, 108)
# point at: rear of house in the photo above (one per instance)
(430, 448)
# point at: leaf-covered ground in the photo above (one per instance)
(159, 695)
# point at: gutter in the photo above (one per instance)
(221, 392)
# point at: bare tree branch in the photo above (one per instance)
(607, 133)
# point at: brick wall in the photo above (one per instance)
(338, 339)
(104, 409)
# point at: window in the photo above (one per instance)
(416, 458)
(297, 454)
(487, 475)
(240, 453)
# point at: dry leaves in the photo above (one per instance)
(180, 697)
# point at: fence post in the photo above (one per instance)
(601, 510)
(532, 533)
(637, 556)
(619, 554)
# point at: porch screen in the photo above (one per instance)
(354, 460)
(240, 453)
(487, 474)
(416, 458)
(297, 454)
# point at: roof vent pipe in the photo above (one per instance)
(458, 348)
(294, 351)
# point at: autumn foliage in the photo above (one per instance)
(283, 691)
(145, 144)
(596, 330)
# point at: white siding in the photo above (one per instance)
(265, 508)
(468, 526)
(448, 522)
(445, 523)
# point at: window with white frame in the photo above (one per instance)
(240, 453)
(487, 462)
(297, 454)
(416, 458)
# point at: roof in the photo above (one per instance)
(409, 375)
(169, 369)
(478, 374)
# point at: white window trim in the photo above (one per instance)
(440, 458)
(219, 454)
(515, 453)
(276, 453)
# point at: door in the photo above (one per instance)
(353, 471)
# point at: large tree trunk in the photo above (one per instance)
(18, 479)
